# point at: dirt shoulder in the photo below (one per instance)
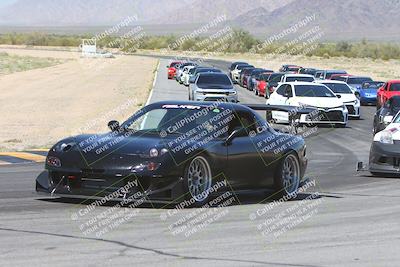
(41, 106)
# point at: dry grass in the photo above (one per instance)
(41, 106)
(13, 63)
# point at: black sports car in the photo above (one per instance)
(170, 151)
(384, 116)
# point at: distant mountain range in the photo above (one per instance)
(337, 19)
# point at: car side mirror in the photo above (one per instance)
(338, 96)
(113, 125)
(234, 134)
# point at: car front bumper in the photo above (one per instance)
(353, 110)
(215, 97)
(151, 188)
(384, 158)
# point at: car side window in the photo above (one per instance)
(281, 90)
(243, 119)
(288, 91)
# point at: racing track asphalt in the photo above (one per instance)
(354, 223)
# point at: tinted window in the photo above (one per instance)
(281, 89)
(358, 80)
(395, 87)
(240, 67)
(207, 70)
(292, 69)
(214, 79)
(313, 91)
(329, 74)
(339, 88)
(339, 78)
(274, 78)
(192, 71)
(299, 79)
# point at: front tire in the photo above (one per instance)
(198, 180)
(288, 176)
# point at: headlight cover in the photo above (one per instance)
(53, 161)
(386, 137)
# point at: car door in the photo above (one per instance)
(381, 95)
(279, 98)
(246, 166)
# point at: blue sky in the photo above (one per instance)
(6, 2)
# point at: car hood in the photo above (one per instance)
(369, 91)
(106, 149)
(214, 86)
(322, 102)
(347, 97)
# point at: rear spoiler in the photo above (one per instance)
(294, 112)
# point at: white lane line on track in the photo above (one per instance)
(154, 83)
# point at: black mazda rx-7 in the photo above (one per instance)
(170, 151)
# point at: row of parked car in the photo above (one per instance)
(204, 83)
(337, 94)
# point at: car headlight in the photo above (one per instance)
(153, 153)
(386, 137)
(53, 161)
(232, 93)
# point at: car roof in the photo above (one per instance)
(299, 75)
(212, 73)
(329, 81)
(303, 83)
(357, 77)
(344, 72)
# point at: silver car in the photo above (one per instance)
(213, 87)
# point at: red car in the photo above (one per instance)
(172, 69)
(389, 89)
(268, 83)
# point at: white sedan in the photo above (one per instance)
(346, 94)
(329, 108)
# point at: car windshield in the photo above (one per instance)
(313, 91)
(330, 73)
(172, 119)
(293, 68)
(240, 67)
(360, 80)
(275, 78)
(339, 88)
(372, 85)
(395, 87)
(264, 77)
(397, 119)
(206, 70)
(299, 79)
(213, 79)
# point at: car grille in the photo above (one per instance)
(351, 109)
(335, 115)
